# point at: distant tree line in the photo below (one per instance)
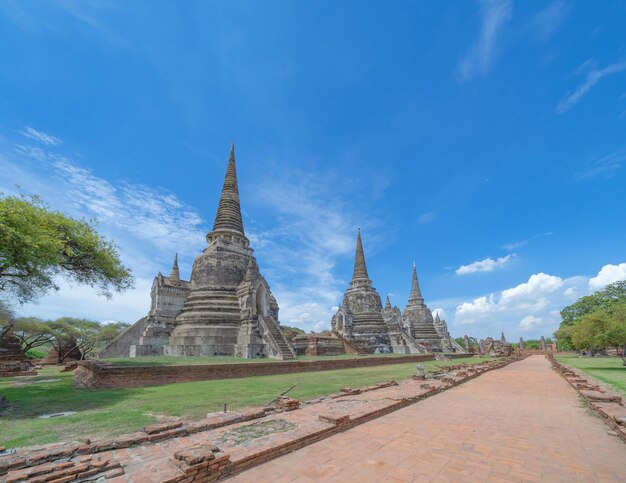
(596, 322)
(65, 334)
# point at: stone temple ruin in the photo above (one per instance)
(364, 324)
(227, 307)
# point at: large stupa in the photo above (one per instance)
(227, 308)
(419, 319)
(360, 315)
(230, 309)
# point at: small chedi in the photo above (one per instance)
(12, 358)
(226, 308)
(366, 326)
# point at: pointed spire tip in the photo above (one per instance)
(228, 215)
(360, 269)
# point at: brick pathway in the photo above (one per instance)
(519, 423)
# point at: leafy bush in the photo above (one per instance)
(36, 353)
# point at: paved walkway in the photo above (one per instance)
(519, 423)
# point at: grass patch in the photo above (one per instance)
(105, 412)
(37, 353)
(610, 370)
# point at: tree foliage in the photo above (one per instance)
(32, 332)
(87, 336)
(38, 244)
(291, 332)
(65, 334)
(6, 319)
(598, 330)
(604, 300)
(535, 343)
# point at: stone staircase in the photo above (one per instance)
(456, 346)
(412, 343)
(275, 332)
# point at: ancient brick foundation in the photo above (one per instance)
(185, 459)
(318, 345)
(607, 404)
(12, 359)
(99, 375)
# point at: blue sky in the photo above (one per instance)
(484, 140)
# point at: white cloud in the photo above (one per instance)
(605, 166)
(539, 283)
(426, 218)
(533, 295)
(467, 312)
(593, 75)
(608, 274)
(486, 265)
(548, 20)
(42, 137)
(495, 14)
(89, 18)
(130, 212)
(531, 308)
(509, 247)
(530, 322)
(571, 292)
(441, 312)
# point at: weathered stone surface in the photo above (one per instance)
(334, 418)
(227, 307)
(418, 318)
(360, 314)
(13, 362)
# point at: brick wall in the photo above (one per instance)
(99, 375)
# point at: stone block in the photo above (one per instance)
(160, 427)
(197, 454)
(334, 418)
(601, 396)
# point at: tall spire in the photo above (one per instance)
(360, 270)
(388, 303)
(229, 212)
(175, 274)
(416, 293)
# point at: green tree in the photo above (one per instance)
(32, 332)
(87, 336)
(291, 332)
(604, 300)
(38, 244)
(71, 334)
(6, 319)
(108, 332)
(599, 330)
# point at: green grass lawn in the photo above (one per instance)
(610, 370)
(102, 412)
(174, 360)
